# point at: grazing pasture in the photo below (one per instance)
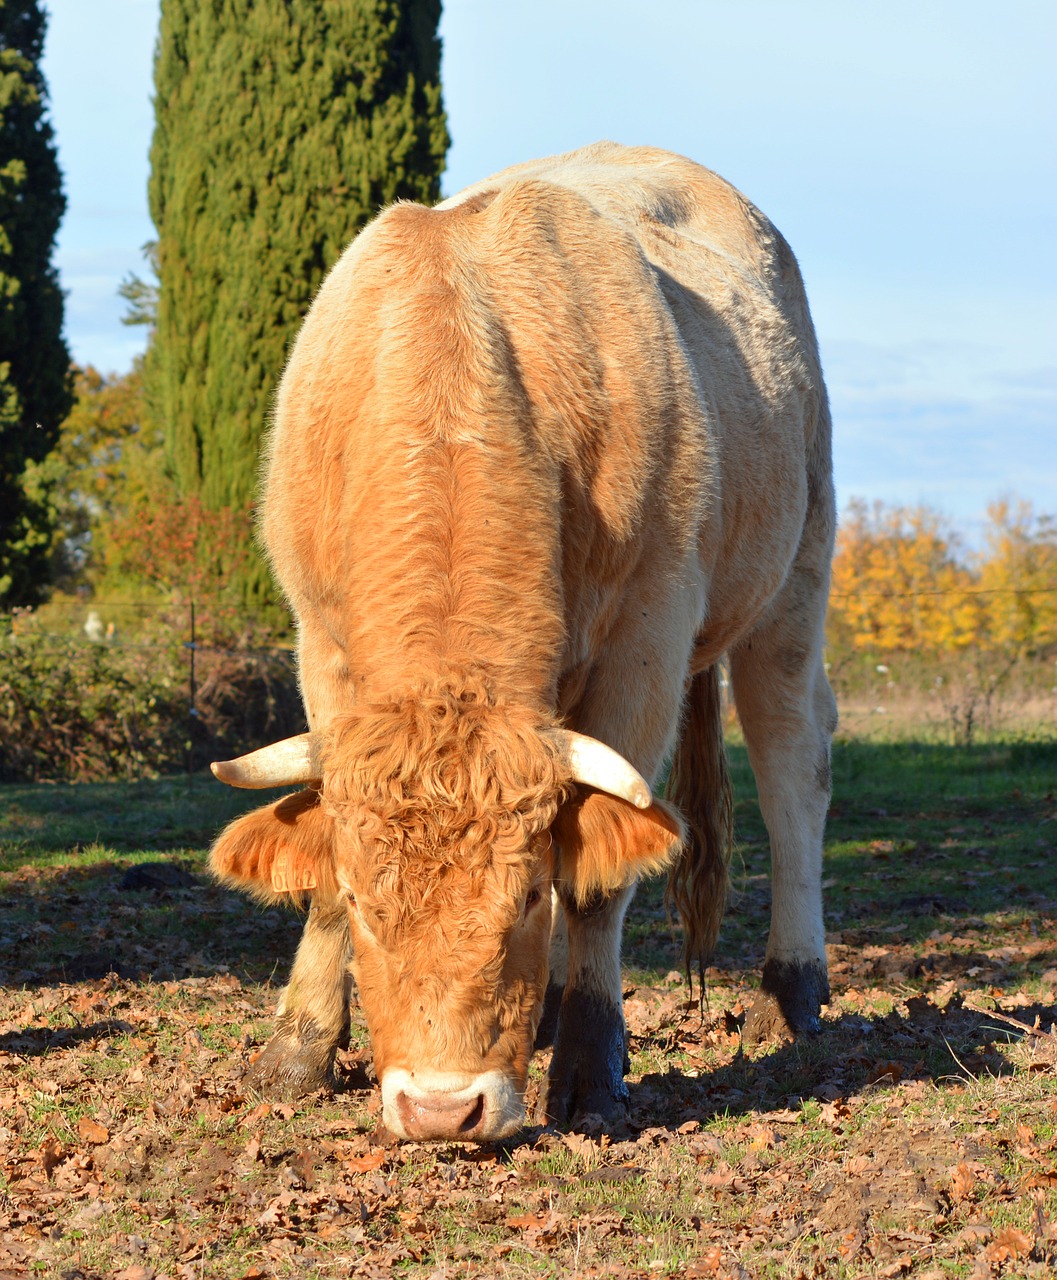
(916, 1137)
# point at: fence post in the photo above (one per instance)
(192, 711)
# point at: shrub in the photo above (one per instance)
(76, 711)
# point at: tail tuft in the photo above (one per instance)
(699, 785)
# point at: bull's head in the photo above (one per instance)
(443, 820)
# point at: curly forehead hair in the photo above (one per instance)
(441, 793)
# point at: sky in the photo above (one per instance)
(907, 151)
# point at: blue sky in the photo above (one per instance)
(908, 151)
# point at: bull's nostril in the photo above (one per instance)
(474, 1116)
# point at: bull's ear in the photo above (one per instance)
(283, 850)
(605, 843)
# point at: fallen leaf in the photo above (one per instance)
(762, 1136)
(92, 1132)
(51, 1153)
(963, 1182)
(900, 1267)
(707, 1265)
(1010, 1242)
(364, 1164)
(890, 1071)
(258, 1113)
(973, 1234)
(525, 1221)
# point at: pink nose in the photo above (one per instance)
(440, 1115)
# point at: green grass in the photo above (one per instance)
(942, 917)
(52, 824)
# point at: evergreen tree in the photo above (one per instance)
(35, 379)
(281, 126)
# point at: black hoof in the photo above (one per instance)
(789, 1002)
(594, 1106)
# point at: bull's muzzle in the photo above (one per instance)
(419, 1106)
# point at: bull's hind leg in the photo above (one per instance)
(312, 1020)
(788, 714)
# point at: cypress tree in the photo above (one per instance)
(35, 377)
(281, 126)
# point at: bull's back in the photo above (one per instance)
(733, 292)
(623, 324)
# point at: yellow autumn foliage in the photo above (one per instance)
(1019, 575)
(904, 583)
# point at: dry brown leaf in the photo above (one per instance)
(969, 1236)
(1010, 1242)
(833, 1114)
(963, 1182)
(364, 1164)
(850, 1244)
(707, 1265)
(893, 1071)
(527, 1221)
(136, 1272)
(900, 1267)
(580, 1144)
(258, 1113)
(51, 1153)
(1044, 1178)
(92, 1132)
(762, 1137)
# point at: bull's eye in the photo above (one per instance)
(532, 897)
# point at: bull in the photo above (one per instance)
(542, 456)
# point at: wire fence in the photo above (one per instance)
(960, 592)
(167, 638)
(223, 697)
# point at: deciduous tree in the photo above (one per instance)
(1019, 574)
(901, 583)
(104, 462)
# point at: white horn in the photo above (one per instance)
(596, 765)
(282, 764)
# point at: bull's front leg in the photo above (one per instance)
(590, 1056)
(312, 1020)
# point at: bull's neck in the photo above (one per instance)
(457, 521)
(457, 567)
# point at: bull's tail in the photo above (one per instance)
(699, 784)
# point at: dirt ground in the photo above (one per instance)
(916, 1136)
